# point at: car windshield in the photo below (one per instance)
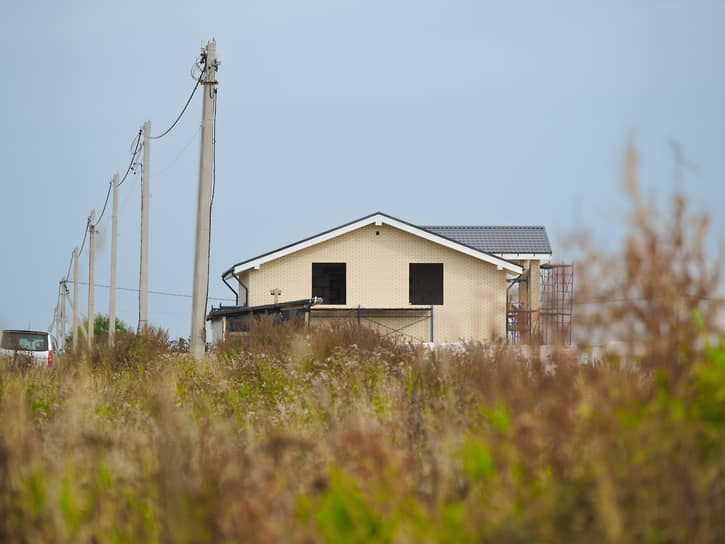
(28, 341)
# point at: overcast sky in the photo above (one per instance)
(436, 112)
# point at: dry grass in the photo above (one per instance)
(341, 435)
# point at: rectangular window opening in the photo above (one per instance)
(329, 281)
(425, 283)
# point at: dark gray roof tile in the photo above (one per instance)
(497, 239)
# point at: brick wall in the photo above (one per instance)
(377, 257)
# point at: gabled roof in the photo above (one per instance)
(377, 218)
(507, 241)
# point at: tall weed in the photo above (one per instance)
(338, 434)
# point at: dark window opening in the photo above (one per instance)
(329, 282)
(426, 283)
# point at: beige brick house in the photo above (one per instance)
(440, 284)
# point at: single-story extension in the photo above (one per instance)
(426, 283)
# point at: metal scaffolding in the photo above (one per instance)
(518, 320)
(389, 321)
(557, 303)
(551, 323)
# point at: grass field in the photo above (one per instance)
(342, 435)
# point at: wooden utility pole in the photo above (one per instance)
(143, 299)
(91, 273)
(76, 324)
(112, 295)
(203, 210)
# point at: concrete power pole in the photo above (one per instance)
(56, 320)
(112, 295)
(91, 273)
(143, 300)
(76, 324)
(63, 290)
(203, 210)
(66, 300)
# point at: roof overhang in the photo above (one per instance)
(500, 262)
(301, 304)
(525, 256)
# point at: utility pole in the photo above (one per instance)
(203, 210)
(91, 273)
(56, 320)
(143, 299)
(112, 295)
(66, 300)
(62, 313)
(75, 299)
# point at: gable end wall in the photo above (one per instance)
(474, 292)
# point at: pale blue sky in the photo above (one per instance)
(446, 112)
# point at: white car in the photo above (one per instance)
(28, 346)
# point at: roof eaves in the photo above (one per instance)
(232, 268)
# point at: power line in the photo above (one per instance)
(130, 167)
(168, 167)
(70, 263)
(133, 157)
(164, 293)
(196, 86)
(85, 234)
(105, 204)
(55, 312)
(108, 193)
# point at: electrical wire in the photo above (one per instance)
(132, 162)
(133, 157)
(55, 312)
(196, 86)
(67, 274)
(168, 167)
(85, 234)
(108, 193)
(152, 292)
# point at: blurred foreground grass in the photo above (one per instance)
(342, 435)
